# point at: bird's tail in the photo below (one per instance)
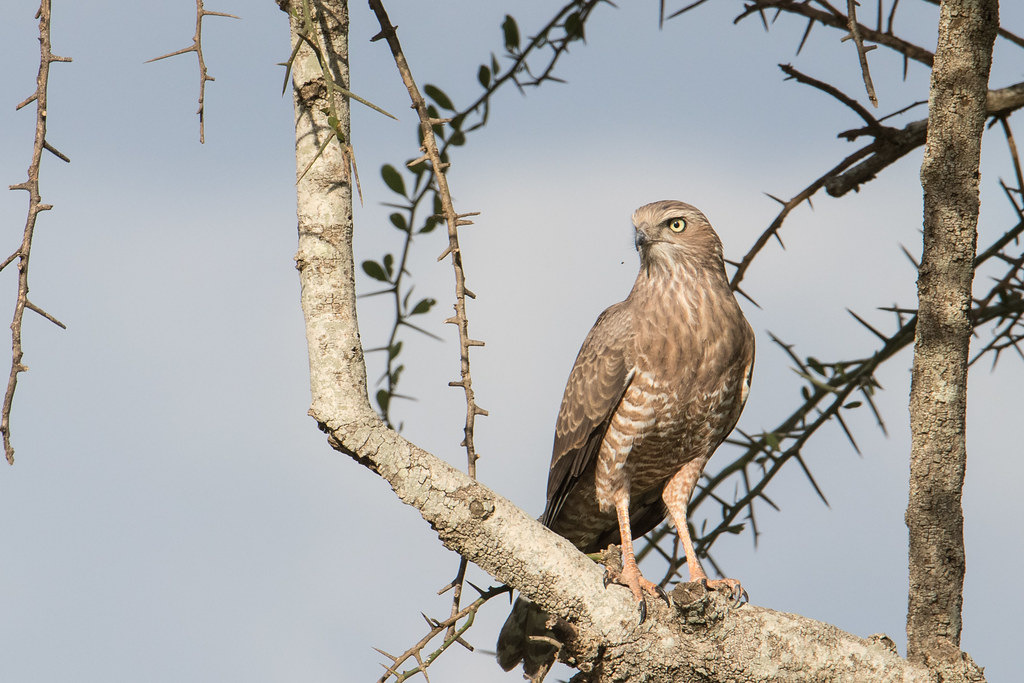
(531, 636)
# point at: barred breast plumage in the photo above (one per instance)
(657, 386)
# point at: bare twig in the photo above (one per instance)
(862, 50)
(35, 206)
(454, 634)
(453, 221)
(197, 47)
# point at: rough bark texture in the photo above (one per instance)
(949, 176)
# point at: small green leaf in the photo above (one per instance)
(398, 220)
(383, 398)
(853, 404)
(806, 393)
(394, 350)
(495, 66)
(458, 138)
(772, 440)
(511, 31)
(393, 179)
(816, 365)
(375, 270)
(429, 225)
(438, 95)
(484, 76)
(573, 26)
(423, 306)
(389, 265)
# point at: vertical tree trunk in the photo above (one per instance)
(324, 199)
(938, 395)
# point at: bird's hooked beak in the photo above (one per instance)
(641, 239)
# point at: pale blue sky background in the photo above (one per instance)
(174, 515)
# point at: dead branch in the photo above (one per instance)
(197, 47)
(35, 207)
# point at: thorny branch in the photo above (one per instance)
(862, 50)
(552, 41)
(197, 47)
(455, 631)
(35, 206)
(453, 222)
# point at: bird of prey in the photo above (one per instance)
(657, 386)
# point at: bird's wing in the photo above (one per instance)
(595, 388)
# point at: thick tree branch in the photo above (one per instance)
(938, 394)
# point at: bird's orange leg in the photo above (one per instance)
(677, 498)
(630, 575)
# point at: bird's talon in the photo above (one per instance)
(643, 612)
(663, 595)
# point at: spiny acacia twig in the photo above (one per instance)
(836, 19)
(565, 28)
(453, 634)
(453, 222)
(35, 206)
(862, 50)
(888, 145)
(197, 47)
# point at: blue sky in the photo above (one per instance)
(175, 515)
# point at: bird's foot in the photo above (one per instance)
(630, 577)
(732, 586)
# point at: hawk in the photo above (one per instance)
(658, 384)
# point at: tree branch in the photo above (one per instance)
(938, 393)
(197, 47)
(35, 207)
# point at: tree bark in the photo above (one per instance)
(938, 396)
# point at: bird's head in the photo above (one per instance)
(671, 231)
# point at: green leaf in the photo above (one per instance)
(423, 306)
(375, 270)
(438, 95)
(458, 138)
(511, 31)
(816, 365)
(484, 76)
(573, 26)
(393, 179)
(495, 66)
(772, 440)
(853, 404)
(429, 225)
(383, 398)
(394, 350)
(389, 265)
(398, 220)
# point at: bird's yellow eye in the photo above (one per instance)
(677, 225)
